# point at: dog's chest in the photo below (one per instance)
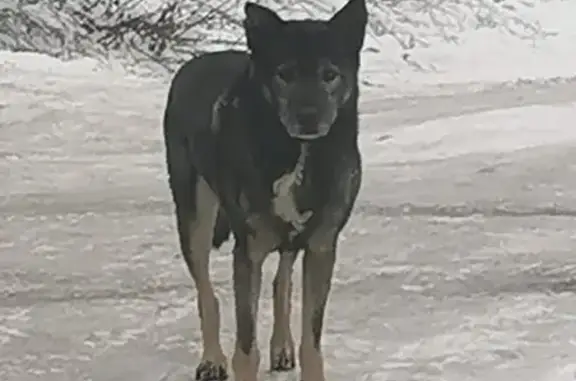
(286, 189)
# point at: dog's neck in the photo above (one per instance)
(284, 188)
(299, 168)
(295, 177)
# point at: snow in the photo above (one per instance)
(490, 132)
(481, 57)
(458, 259)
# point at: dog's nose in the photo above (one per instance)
(307, 117)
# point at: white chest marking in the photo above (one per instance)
(284, 203)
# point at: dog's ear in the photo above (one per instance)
(259, 23)
(349, 24)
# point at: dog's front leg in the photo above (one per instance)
(281, 343)
(248, 259)
(318, 266)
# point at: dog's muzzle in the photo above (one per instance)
(307, 124)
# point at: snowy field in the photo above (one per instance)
(458, 263)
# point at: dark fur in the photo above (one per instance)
(271, 100)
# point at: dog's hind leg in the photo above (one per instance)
(318, 267)
(281, 343)
(196, 209)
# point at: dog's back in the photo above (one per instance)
(195, 88)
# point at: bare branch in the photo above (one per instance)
(172, 31)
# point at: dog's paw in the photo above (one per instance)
(210, 371)
(282, 360)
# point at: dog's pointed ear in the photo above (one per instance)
(259, 23)
(349, 23)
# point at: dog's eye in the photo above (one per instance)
(330, 74)
(286, 73)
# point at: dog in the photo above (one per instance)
(262, 146)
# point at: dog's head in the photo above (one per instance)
(307, 69)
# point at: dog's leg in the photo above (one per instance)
(281, 344)
(196, 233)
(318, 266)
(249, 255)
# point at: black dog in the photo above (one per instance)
(263, 145)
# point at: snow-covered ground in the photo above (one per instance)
(458, 260)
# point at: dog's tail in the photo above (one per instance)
(222, 229)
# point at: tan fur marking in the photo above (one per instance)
(246, 366)
(318, 264)
(201, 243)
(282, 341)
(311, 361)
